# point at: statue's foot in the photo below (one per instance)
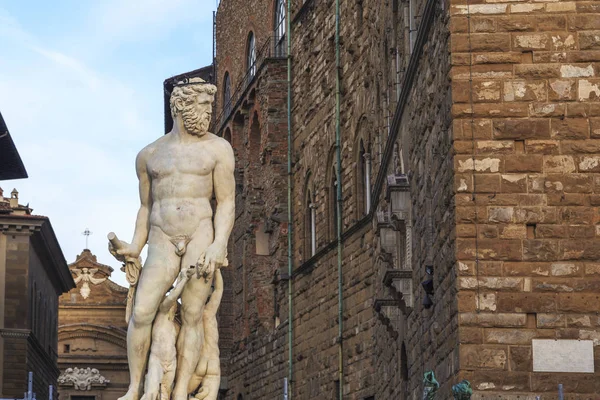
(130, 395)
(210, 388)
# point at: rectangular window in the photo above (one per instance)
(83, 397)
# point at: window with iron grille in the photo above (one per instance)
(279, 28)
(251, 55)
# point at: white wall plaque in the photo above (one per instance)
(563, 355)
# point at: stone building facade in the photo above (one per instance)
(468, 216)
(33, 274)
(92, 334)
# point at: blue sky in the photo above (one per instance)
(81, 93)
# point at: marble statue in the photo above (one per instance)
(178, 175)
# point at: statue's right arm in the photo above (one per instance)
(172, 297)
(142, 223)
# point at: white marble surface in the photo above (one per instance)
(563, 355)
(178, 174)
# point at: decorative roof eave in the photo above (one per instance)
(12, 165)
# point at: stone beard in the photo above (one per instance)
(178, 175)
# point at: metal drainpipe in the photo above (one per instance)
(339, 200)
(288, 32)
(367, 157)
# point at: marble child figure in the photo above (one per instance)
(178, 175)
(208, 371)
(162, 361)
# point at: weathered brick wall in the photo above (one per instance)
(258, 246)
(313, 119)
(498, 141)
(526, 132)
(235, 20)
(429, 336)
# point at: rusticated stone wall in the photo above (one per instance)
(526, 123)
(497, 137)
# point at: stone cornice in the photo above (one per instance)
(19, 227)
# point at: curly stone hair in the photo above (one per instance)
(185, 93)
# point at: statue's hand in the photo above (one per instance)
(211, 259)
(123, 251)
(187, 272)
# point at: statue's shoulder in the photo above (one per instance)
(219, 142)
(151, 148)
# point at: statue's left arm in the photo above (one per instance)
(224, 187)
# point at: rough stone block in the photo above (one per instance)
(484, 357)
(526, 302)
(521, 129)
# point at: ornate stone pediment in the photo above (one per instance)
(82, 378)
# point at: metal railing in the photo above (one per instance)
(273, 48)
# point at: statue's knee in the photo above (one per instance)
(191, 317)
(142, 316)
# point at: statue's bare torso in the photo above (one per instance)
(182, 182)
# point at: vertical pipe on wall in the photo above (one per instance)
(367, 157)
(313, 229)
(339, 200)
(290, 381)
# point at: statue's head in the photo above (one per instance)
(192, 100)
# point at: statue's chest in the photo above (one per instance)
(187, 160)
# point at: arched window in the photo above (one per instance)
(333, 202)
(227, 135)
(310, 225)
(363, 180)
(279, 27)
(226, 95)
(251, 56)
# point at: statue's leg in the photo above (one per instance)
(153, 378)
(157, 276)
(208, 371)
(193, 298)
(168, 379)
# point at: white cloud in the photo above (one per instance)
(72, 65)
